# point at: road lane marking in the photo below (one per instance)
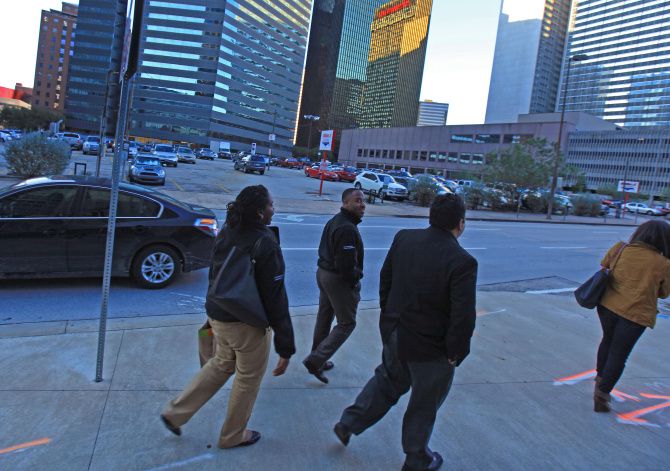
(563, 248)
(552, 291)
(179, 187)
(179, 464)
(23, 446)
(226, 190)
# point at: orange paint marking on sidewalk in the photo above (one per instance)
(22, 446)
(574, 379)
(622, 396)
(634, 416)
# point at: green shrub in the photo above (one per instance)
(423, 194)
(474, 197)
(586, 206)
(35, 156)
(536, 203)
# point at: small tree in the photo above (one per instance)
(35, 155)
(30, 120)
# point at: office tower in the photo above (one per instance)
(98, 49)
(527, 59)
(337, 60)
(626, 78)
(395, 64)
(54, 49)
(432, 113)
(221, 74)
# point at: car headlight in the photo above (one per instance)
(161, 173)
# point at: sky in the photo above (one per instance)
(458, 60)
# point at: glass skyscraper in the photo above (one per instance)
(221, 74)
(528, 58)
(98, 49)
(395, 64)
(337, 61)
(626, 79)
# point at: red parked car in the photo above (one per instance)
(291, 162)
(346, 174)
(315, 172)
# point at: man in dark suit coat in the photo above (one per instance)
(427, 298)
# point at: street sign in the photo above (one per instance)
(327, 140)
(272, 137)
(631, 187)
(253, 148)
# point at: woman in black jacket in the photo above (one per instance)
(241, 348)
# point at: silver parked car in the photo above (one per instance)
(166, 154)
(186, 155)
(146, 169)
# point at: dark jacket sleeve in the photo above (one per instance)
(346, 254)
(386, 276)
(270, 270)
(462, 289)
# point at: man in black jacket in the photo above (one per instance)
(339, 272)
(427, 300)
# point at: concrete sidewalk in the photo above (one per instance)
(521, 401)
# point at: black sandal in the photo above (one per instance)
(255, 436)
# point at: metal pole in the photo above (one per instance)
(274, 122)
(625, 193)
(654, 182)
(103, 124)
(111, 225)
(309, 140)
(557, 157)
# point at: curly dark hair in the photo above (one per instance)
(251, 201)
(654, 233)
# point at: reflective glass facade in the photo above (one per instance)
(432, 113)
(395, 64)
(626, 79)
(336, 66)
(528, 57)
(221, 74)
(98, 48)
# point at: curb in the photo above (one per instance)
(534, 221)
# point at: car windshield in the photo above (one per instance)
(132, 144)
(184, 150)
(388, 179)
(93, 139)
(257, 158)
(350, 169)
(147, 161)
(164, 149)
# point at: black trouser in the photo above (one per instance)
(430, 382)
(339, 301)
(619, 338)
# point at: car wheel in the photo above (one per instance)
(262, 173)
(650, 213)
(358, 185)
(155, 267)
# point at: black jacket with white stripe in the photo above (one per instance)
(341, 247)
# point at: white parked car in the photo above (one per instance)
(380, 184)
(5, 136)
(641, 208)
(91, 145)
(166, 154)
(71, 138)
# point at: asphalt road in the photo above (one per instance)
(524, 256)
(513, 256)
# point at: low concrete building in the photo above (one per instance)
(639, 155)
(454, 151)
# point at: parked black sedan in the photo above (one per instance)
(57, 227)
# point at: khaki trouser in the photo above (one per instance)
(241, 350)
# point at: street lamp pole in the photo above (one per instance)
(311, 118)
(557, 156)
(103, 122)
(274, 137)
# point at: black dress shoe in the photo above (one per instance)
(255, 436)
(342, 432)
(327, 366)
(313, 370)
(433, 466)
(172, 428)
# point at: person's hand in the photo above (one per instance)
(282, 364)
